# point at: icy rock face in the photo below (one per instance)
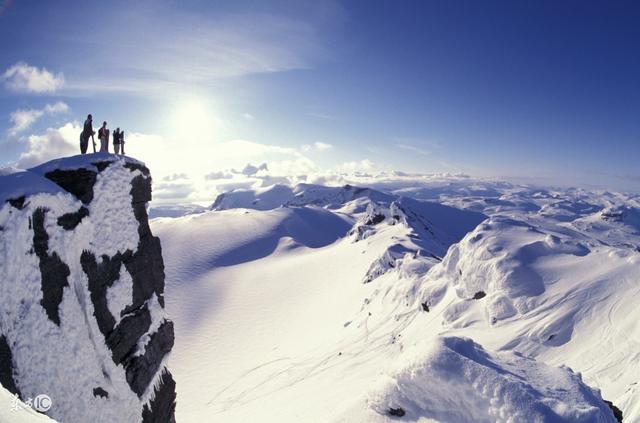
(456, 380)
(374, 216)
(82, 293)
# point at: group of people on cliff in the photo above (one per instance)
(103, 137)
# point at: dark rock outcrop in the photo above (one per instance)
(375, 219)
(6, 367)
(18, 203)
(124, 338)
(78, 182)
(479, 295)
(163, 406)
(70, 220)
(142, 368)
(101, 276)
(396, 412)
(54, 272)
(99, 392)
(617, 413)
(146, 265)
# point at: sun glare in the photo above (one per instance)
(193, 119)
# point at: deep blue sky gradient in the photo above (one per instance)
(548, 90)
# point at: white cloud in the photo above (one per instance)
(23, 119)
(175, 177)
(212, 176)
(244, 148)
(248, 116)
(195, 49)
(361, 166)
(293, 167)
(250, 169)
(172, 191)
(317, 146)
(323, 116)
(58, 107)
(22, 77)
(414, 149)
(421, 146)
(53, 144)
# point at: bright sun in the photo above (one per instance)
(192, 119)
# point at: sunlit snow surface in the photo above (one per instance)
(339, 304)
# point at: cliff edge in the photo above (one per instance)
(82, 315)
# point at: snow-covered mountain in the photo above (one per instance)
(489, 302)
(461, 301)
(82, 316)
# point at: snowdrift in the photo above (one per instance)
(82, 292)
(455, 380)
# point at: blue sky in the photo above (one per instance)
(544, 91)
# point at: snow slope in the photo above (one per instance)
(387, 314)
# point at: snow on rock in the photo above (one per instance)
(456, 380)
(428, 230)
(82, 282)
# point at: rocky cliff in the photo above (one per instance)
(82, 292)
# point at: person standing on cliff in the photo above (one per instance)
(103, 135)
(87, 131)
(116, 141)
(122, 143)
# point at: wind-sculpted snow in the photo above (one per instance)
(246, 235)
(454, 379)
(82, 292)
(498, 258)
(542, 281)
